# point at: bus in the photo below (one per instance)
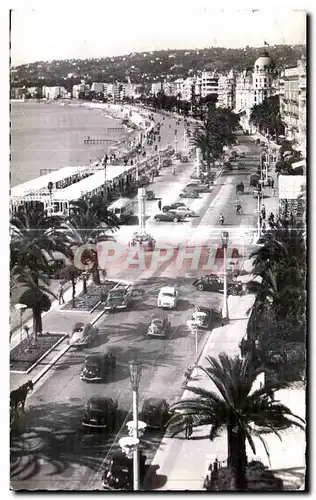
(123, 209)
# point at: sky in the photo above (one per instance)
(68, 30)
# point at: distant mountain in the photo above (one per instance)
(148, 67)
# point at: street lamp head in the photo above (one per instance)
(225, 237)
(20, 307)
(50, 187)
(135, 368)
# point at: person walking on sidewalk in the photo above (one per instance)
(159, 205)
(188, 426)
(61, 299)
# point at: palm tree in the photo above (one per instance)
(71, 273)
(86, 226)
(233, 407)
(35, 295)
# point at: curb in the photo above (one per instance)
(52, 363)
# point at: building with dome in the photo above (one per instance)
(253, 86)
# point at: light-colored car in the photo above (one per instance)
(187, 212)
(168, 297)
(159, 327)
(83, 335)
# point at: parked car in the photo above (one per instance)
(242, 155)
(189, 194)
(166, 208)
(168, 297)
(118, 298)
(118, 471)
(197, 187)
(201, 317)
(155, 413)
(100, 413)
(167, 162)
(169, 217)
(185, 211)
(212, 284)
(97, 366)
(159, 327)
(83, 335)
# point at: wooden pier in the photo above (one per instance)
(90, 140)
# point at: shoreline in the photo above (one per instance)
(123, 145)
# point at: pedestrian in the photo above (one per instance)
(273, 191)
(159, 205)
(269, 182)
(188, 426)
(263, 212)
(272, 183)
(61, 299)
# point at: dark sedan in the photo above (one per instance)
(118, 472)
(212, 284)
(189, 194)
(155, 413)
(169, 217)
(100, 413)
(97, 366)
(166, 208)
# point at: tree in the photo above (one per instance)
(234, 408)
(266, 116)
(87, 225)
(34, 296)
(215, 132)
(71, 273)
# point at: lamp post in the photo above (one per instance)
(50, 190)
(175, 141)
(259, 206)
(135, 374)
(225, 238)
(105, 191)
(21, 308)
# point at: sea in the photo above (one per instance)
(48, 136)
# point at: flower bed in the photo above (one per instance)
(25, 354)
(86, 302)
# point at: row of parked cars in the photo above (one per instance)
(178, 211)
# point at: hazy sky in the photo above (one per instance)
(117, 27)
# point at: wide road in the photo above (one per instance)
(52, 452)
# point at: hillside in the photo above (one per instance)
(147, 67)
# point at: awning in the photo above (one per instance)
(298, 164)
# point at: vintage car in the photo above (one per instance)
(189, 194)
(169, 217)
(100, 413)
(118, 471)
(240, 188)
(150, 195)
(155, 413)
(166, 208)
(197, 187)
(97, 367)
(159, 327)
(242, 155)
(201, 318)
(168, 297)
(185, 211)
(83, 335)
(144, 241)
(212, 284)
(167, 162)
(118, 298)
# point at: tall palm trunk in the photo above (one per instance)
(73, 284)
(37, 322)
(237, 457)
